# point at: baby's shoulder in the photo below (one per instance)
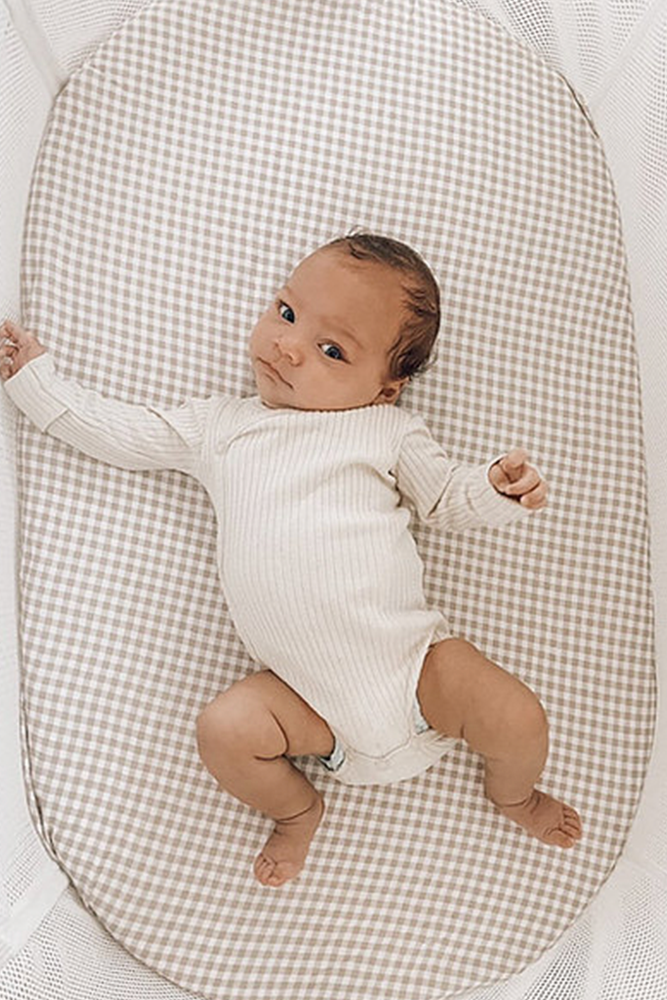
(389, 430)
(402, 420)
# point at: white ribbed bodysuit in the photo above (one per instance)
(321, 574)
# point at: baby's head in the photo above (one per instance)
(354, 322)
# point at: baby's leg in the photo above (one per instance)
(462, 694)
(244, 736)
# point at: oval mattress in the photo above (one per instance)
(186, 167)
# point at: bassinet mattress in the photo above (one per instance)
(189, 163)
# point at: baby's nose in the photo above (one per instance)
(288, 345)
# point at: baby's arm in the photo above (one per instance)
(127, 436)
(451, 496)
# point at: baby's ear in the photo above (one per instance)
(391, 390)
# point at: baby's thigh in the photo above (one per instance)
(459, 684)
(262, 703)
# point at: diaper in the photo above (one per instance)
(421, 750)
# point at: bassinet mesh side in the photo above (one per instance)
(70, 957)
(29, 883)
(74, 28)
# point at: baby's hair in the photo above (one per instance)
(410, 352)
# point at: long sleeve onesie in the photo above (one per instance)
(320, 571)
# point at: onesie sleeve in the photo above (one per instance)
(448, 495)
(120, 434)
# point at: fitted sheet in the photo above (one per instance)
(186, 166)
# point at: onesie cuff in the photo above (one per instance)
(38, 392)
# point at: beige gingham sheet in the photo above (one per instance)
(186, 167)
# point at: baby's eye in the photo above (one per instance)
(332, 351)
(286, 312)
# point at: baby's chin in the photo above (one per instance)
(274, 402)
(279, 404)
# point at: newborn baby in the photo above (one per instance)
(312, 481)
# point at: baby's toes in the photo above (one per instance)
(264, 869)
(558, 838)
(274, 873)
(572, 822)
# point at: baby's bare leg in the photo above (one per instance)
(244, 736)
(462, 694)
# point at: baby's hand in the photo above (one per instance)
(17, 347)
(515, 477)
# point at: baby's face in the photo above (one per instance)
(324, 342)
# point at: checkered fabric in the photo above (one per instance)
(201, 152)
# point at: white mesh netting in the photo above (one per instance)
(614, 52)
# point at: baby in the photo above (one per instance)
(312, 480)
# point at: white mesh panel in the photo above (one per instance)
(74, 28)
(71, 958)
(29, 882)
(633, 113)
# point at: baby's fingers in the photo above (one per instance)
(15, 335)
(536, 498)
(7, 363)
(17, 347)
(7, 350)
(526, 481)
(508, 474)
(515, 477)
(513, 464)
(10, 331)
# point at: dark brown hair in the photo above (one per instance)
(410, 352)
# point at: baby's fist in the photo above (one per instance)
(17, 348)
(513, 476)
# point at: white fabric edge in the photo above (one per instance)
(41, 54)
(24, 918)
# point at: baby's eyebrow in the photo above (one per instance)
(348, 333)
(335, 327)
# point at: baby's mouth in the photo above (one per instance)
(274, 371)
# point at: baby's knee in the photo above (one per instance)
(237, 722)
(223, 723)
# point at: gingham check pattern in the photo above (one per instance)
(186, 167)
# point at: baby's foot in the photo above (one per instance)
(546, 818)
(284, 854)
